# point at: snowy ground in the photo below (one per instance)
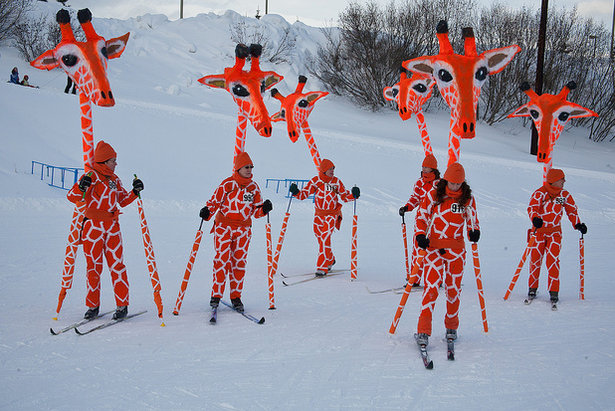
(327, 345)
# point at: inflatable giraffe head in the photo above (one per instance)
(410, 93)
(84, 62)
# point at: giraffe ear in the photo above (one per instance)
(388, 93)
(577, 111)
(277, 117)
(422, 65)
(214, 80)
(45, 61)
(270, 79)
(313, 96)
(497, 59)
(523, 111)
(116, 46)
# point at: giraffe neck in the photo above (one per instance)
(87, 131)
(420, 121)
(240, 134)
(311, 144)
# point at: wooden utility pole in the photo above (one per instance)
(181, 9)
(539, 67)
(266, 6)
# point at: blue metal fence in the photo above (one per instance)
(287, 182)
(59, 177)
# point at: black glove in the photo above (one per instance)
(267, 206)
(204, 213)
(422, 241)
(474, 235)
(294, 190)
(355, 192)
(85, 182)
(537, 221)
(137, 186)
(581, 227)
(403, 210)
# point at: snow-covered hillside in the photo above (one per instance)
(327, 345)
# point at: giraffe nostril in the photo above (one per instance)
(110, 95)
(471, 127)
(465, 127)
(102, 94)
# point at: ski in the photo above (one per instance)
(78, 323)
(312, 273)
(108, 323)
(388, 290)
(554, 306)
(315, 277)
(248, 316)
(214, 315)
(528, 300)
(424, 355)
(450, 349)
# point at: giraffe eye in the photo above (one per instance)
(420, 88)
(283, 113)
(445, 76)
(240, 91)
(69, 60)
(395, 92)
(481, 74)
(103, 51)
(563, 116)
(535, 114)
(303, 103)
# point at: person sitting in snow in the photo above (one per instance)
(236, 200)
(440, 229)
(14, 76)
(545, 210)
(429, 177)
(327, 190)
(103, 194)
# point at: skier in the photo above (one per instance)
(440, 229)
(103, 194)
(236, 200)
(327, 210)
(429, 177)
(545, 210)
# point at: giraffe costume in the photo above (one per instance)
(547, 205)
(236, 200)
(421, 188)
(440, 226)
(327, 211)
(100, 233)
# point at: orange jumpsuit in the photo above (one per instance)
(327, 213)
(101, 233)
(444, 260)
(550, 208)
(236, 203)
(421, 188)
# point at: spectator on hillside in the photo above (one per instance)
(14, 76)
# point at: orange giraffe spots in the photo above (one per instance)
(550, 113)
(410, 94)
(459, 79)
(246, 88)
(295, 110)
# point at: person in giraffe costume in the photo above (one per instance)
(236, 200)
(429, 177)
(441, 219)
(328, 190)
(103, 194)
(547, 205)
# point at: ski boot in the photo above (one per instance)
(320, 273)
(120, 312)
(554, 297)
(451, 334)
(531, 294)
(214, 302)
(422, 339)
(237, 304)
(91, 313)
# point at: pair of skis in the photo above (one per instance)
(311, 276)
(428, 362)
(213, 319)
(75, 326)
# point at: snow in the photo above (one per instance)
(327, 345)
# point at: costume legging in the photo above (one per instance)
(104, 237)
(548, 245)
(231, 245)
(440, 268)
(323, 229)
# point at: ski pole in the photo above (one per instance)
(270, 264)
(479, 286)
(530, 244)
(150, 259)
(353, 245)
(278, 249)
(407, 289)
(191, 259)
(582, 263)
(405, 237)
